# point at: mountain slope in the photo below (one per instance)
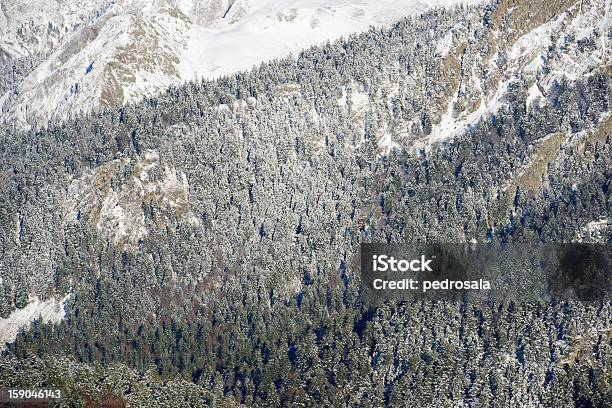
(137, 48)
(39, 26)
(210, 234)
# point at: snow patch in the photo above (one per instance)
(3, 98)
(444, 45)
(595, 226)
(355, 101)
(386, 143)
(48, 311)
(360, 100)
(535, 96)
(595, 231)
(537, 39)
(450, 125)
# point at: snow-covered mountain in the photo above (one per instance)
(39, 26)
(107, 53)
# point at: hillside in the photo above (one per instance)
(204, 242)
(75, 58)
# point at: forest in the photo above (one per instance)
(209, 237)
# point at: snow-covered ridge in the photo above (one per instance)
(570, 46)
(38, 26)
(137, 48)
(48, 311)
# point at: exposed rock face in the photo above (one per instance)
(108, 63)
(38, 26)
(123, 197)
(526, 43)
